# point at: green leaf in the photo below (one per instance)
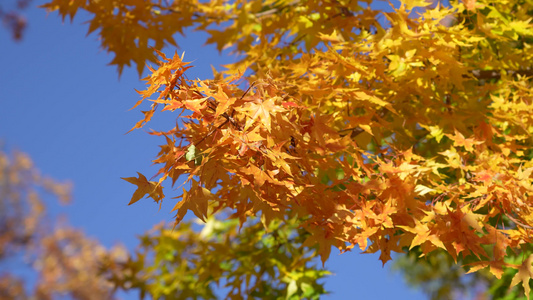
(191, 153)
(307, 289)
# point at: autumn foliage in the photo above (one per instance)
(183, 263)
(381, 130)
(12, 17)
(63, 260)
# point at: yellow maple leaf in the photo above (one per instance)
(525, 272)
(410, 4)
(260, 110)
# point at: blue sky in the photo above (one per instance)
(64, 106)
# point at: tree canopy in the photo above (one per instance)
(66, 262)
(401, 130)
(266, 263)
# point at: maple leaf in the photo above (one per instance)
(496, 267)
(195, 200)
(323, 243)
(410, 4)
(525, 272)
(144, 187)
(422, 235)
(259, 110)
(147, 117)
(460, 141)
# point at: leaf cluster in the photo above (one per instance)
(383, 130)
(220, 260)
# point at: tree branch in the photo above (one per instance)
(497, 74)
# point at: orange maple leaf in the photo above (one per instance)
(153, 189)
(496, 267)
(459, 140)
(195, 200)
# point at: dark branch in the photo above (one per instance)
(497, 74)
